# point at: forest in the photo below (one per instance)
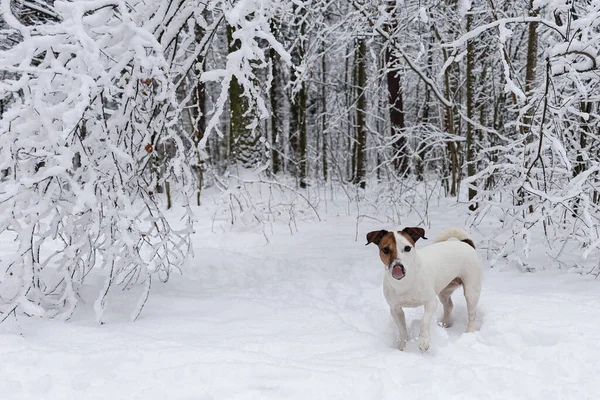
(112, 112)
(186, 188)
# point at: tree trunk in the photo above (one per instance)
(302, 114)
(275, 112)
(425, 116)
(242, 143)
(199, 115)
(324, 110)
(297, 129)
(361, 104)
(450, 84)
(350, 76)
(470, 111)
(395, 98)
(530, 71)
(293, 129)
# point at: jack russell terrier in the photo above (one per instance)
(416, 278)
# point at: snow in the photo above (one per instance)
(423, 15)
(504, 33)
(303, 316)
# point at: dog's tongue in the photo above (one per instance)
(397, 272)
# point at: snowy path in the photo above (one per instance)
(304, 317)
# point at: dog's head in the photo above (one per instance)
(396, 249)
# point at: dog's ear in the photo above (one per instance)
(376, 236)
(415, 233)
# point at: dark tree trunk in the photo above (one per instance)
(396, 101)
(324, 111)
(275, 113)
(470, 111)
(242, 143)
(301, 97)
(199, 115)
(361, 104)
(530, 70)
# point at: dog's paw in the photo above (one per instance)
(424, 344)
(401, 344)
(445, 324)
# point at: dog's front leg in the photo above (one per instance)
(424, 338)
(398, 316)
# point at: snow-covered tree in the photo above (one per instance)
(91, 131)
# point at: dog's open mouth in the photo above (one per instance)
(398, 272)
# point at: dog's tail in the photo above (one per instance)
(455, 233)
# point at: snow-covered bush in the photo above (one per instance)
(92, 103)
(544, 166)
(91, 131)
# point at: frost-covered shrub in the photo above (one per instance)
(91, 102)
(91, 130)
(539, 176)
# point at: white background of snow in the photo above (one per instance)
(304, 317)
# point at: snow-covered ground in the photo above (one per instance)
(303, 317)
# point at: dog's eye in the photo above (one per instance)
(385, 250)
(407, 248)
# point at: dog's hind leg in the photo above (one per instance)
(472, 292)
(398, 316)
(445, 297)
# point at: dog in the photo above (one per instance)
(418, 277)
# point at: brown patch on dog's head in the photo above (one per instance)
(376, 236)
(413, 234)
(387, 245)
(388, 250)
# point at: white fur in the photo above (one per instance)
(452, 233)
(428, 273)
